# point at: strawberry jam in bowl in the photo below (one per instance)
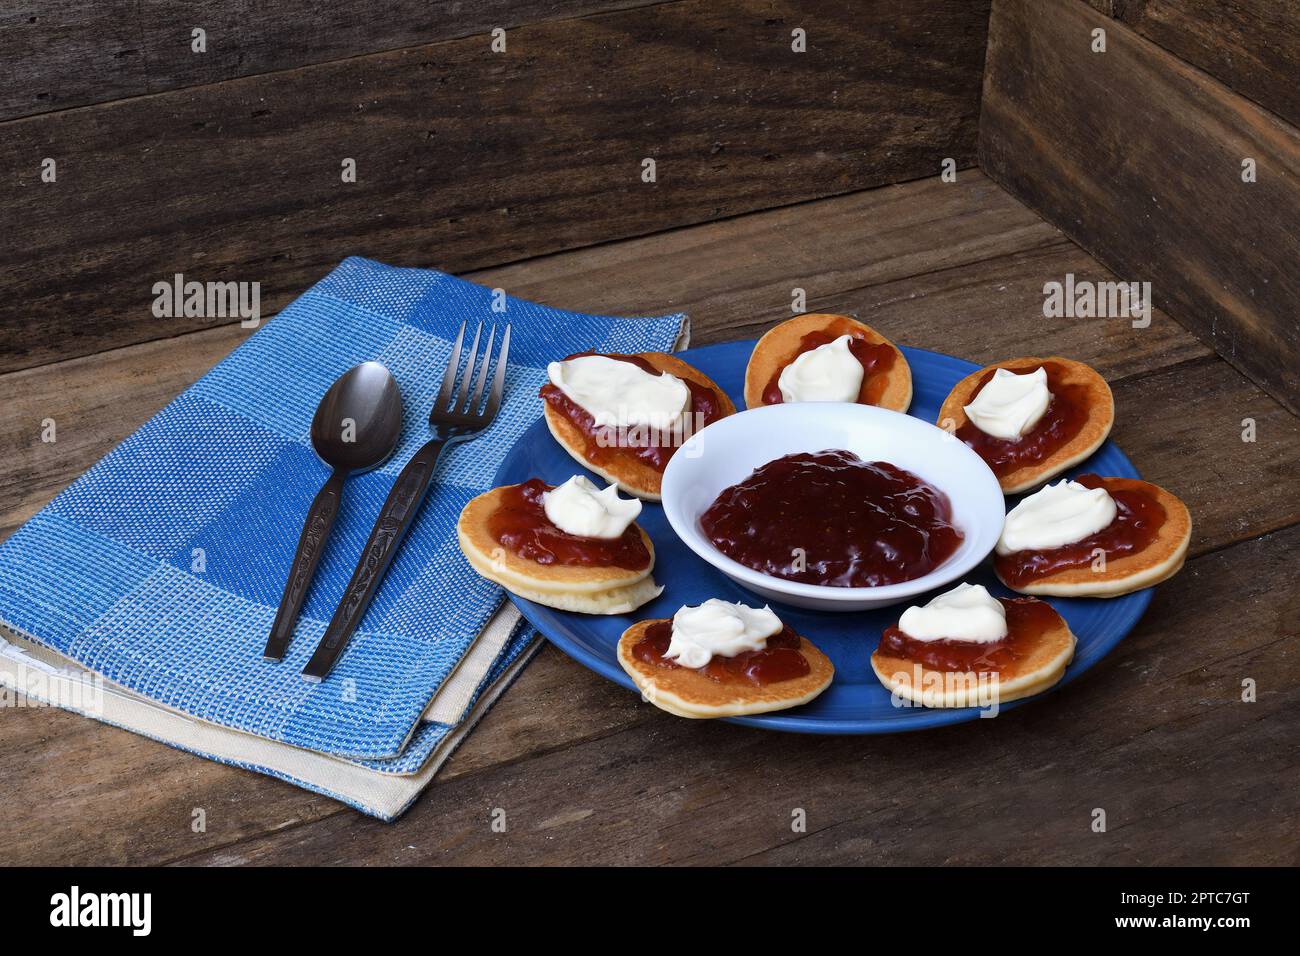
(834, 506)
(830, 518)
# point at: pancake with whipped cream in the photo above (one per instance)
(827, 358)
(1093, 537)
(624, 416)
(967, 648)
(1030, 418)
(720, 659)
(574, 547)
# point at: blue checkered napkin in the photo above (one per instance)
(431, 734)
(161, 566)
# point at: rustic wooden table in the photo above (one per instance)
(1157, 735)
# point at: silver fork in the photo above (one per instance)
(456, 417)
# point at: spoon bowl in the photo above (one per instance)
(358, 422)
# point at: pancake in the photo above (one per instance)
(1158, 561)
(629, 474)
(688, 693)
(1042, 666)
(781, 346)
(586, 589)
(1101, 416)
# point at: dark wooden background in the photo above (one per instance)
(775, 169)
(1137, 154)
(226, 165)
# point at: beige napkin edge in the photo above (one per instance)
(385, 795)
(453, 698)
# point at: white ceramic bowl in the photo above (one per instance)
(727, 451)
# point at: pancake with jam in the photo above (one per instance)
(1145, 544)
(886, 376)
(787, 671)
(507, 537)
(633, 458)
(1032, 656)
(1074, 424)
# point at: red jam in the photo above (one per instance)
(605, 444)
(520, 524)
(830, 518)
(876, 358)
(1064, 418)
(1138, 519)
(1028, 619)
(779, 660)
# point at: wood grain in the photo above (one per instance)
(64, 53)
(955, 267)
(1138, 157)
(587, 773)
(116, 798)
(1250, 46)
(67, 54)
(1157, 736)
(466, 158)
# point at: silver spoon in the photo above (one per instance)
(355, 429)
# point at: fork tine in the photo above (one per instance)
(471, 361)
(449, 378)
(481, 372)
(499, 380)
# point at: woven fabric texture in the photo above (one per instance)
(161, 567)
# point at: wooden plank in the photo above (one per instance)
(737, 277)
(81, 792)
(67, 54)
(466, 158)
(1250, 46)
(1157, 736)
(991, 310)
(1183, 429)
(1241, 491)
(725, 274)
(985, 301)
(1139, 158)
(556, 704)
(1164, 412)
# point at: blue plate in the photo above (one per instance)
(856, 702)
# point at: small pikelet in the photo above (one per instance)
(889, 388)
(630, 475)
(686, 692)
(1158, 561)
(587, 589)
(1041, 663)
(1095, 398)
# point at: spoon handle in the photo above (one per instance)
(311, 543)
(396, 516)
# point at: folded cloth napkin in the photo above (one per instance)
(383, 789)
(161, 567)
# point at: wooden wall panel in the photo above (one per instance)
(67, 53)
(468, 158)
(1251, 46)
(1138, 157)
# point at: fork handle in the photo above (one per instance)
(311, 543)
(395, 519)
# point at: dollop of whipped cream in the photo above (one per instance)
(828, 373)
(719, 628)
(1058, 515)
(966, 613)
(620, 394)
(1009, 405)
(578, 507)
